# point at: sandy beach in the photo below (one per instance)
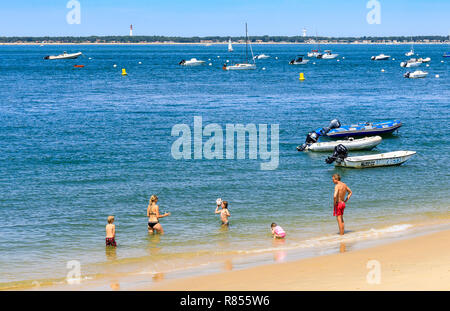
(420, 263)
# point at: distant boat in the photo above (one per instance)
(446, 54)
(424, 60)
(65, 55)
(245, 65)
(380, 57)
(411, 52)
(300, 60)
(416, 74)
(314, 53)
(230, 46)
(365, 129)
(328, 55)
(191, 62)
(261, 56)
(413, 62)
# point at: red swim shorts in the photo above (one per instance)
(339, 209)
(111, 242)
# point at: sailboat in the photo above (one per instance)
(316, 53)
(411, 52)
(245, 65)
(230, 46)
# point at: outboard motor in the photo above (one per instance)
(334, 124)
(47, 57)
(182, 62)
(340, 152)
(372, 58)
(406, 75)
(313, 137)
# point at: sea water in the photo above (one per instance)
(79, 144)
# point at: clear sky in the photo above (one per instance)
(224, 17)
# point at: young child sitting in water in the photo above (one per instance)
(224, 213)
(277, 231)
(111, 232)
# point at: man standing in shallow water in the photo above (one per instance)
(339, 200)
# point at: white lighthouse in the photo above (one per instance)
(304, 32)
(131, 30)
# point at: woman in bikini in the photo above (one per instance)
(154, 216)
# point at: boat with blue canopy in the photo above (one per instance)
(365, 129)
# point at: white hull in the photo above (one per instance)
(410, 64)
(329, 56)
(314, 54)
(365, 143)
(241, 67)
(376, 160)
(262, 56)
(416, 74)
(64, 56)
(303, 62)
(410, 53)
(192, 62)
(381, 57)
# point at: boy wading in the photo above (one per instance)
(339, 200)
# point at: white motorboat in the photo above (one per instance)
(328, 55)
(410, 53)
(315, 53)
(261, 56)
(230, 46)
(300, 60)
(366, 143)
(245, 65)
(191, 62)
(416, 74)
(413, 62)
(376, 160)
(64, 55)
(424, 60)
(381, 57)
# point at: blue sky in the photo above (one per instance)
(224, 17)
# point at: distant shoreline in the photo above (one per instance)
(218, 43)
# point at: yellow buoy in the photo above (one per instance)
(124, 72)
(301, 77)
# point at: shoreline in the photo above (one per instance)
(419, 263)
(218, 43)
(138, 276)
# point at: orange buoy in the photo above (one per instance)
(78, 66)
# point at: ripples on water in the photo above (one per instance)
(80, 144)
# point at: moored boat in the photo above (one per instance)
(341, 159)
(328, 55)
(191, 62)
(416, 74)
(300, 60)
(366, 143)
(413, 62)
(64, 55)
(381, 57)
(365, 129)
(261, 56)
(245, 65)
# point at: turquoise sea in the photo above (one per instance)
(79, 144)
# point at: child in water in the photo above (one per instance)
(277, 231)
(111, 232)
(224, 213)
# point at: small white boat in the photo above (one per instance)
(424, 60)
(243, 66)
(413, 62)
(300, 60)
(191, 62)
(230, 46)
(366, 143)
(376, 160)
(328, 55)
(410, 53)
(416, 74)
(261, 56)
(64, 55)
(315, 53)
(381, 57)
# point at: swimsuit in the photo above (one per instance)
(152, 224)
(339, 209)
(111, 242)
(279, 232)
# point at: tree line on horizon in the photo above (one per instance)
(266, 38)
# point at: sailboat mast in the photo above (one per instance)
(246, 44)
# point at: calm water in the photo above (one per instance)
(77, 145)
